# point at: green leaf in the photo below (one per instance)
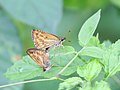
(94, 41)
(90, 71)
(27, 68)
(88, 29)
(111, 59)
(44, 14)
(59, 58)
(86, 86)
(23, 69)
(70, 83)
(107, 43)
(54, 71)
(102, 85)
(63, 50)
(93, 52)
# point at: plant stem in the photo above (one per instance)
(61, 79)
(30, 81)
(70, 62)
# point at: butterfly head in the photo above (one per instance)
(63, 39)
(46, 68)
(60, 42)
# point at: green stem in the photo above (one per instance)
(106, 77)
(70, 62)
(61, 79)
(30, 81)
(111, 72)
(82, 59)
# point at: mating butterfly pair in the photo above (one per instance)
(43, 41)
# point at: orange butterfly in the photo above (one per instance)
(43, 40)
(41, 57)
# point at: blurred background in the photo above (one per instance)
(63, 18)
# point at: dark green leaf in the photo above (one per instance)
(88, 29)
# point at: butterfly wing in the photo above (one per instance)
(43, 40)
(40, 57)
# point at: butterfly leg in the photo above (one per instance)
(61, 46)
(54, 51)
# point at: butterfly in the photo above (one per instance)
(41, 57)
(44, 40)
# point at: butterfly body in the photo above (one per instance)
(41, 57)
(43, 40)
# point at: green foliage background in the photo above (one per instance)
(61, 17)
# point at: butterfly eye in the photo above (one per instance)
(47, 49)
(63, 39)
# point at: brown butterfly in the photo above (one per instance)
(44, 40)
(41, 57)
